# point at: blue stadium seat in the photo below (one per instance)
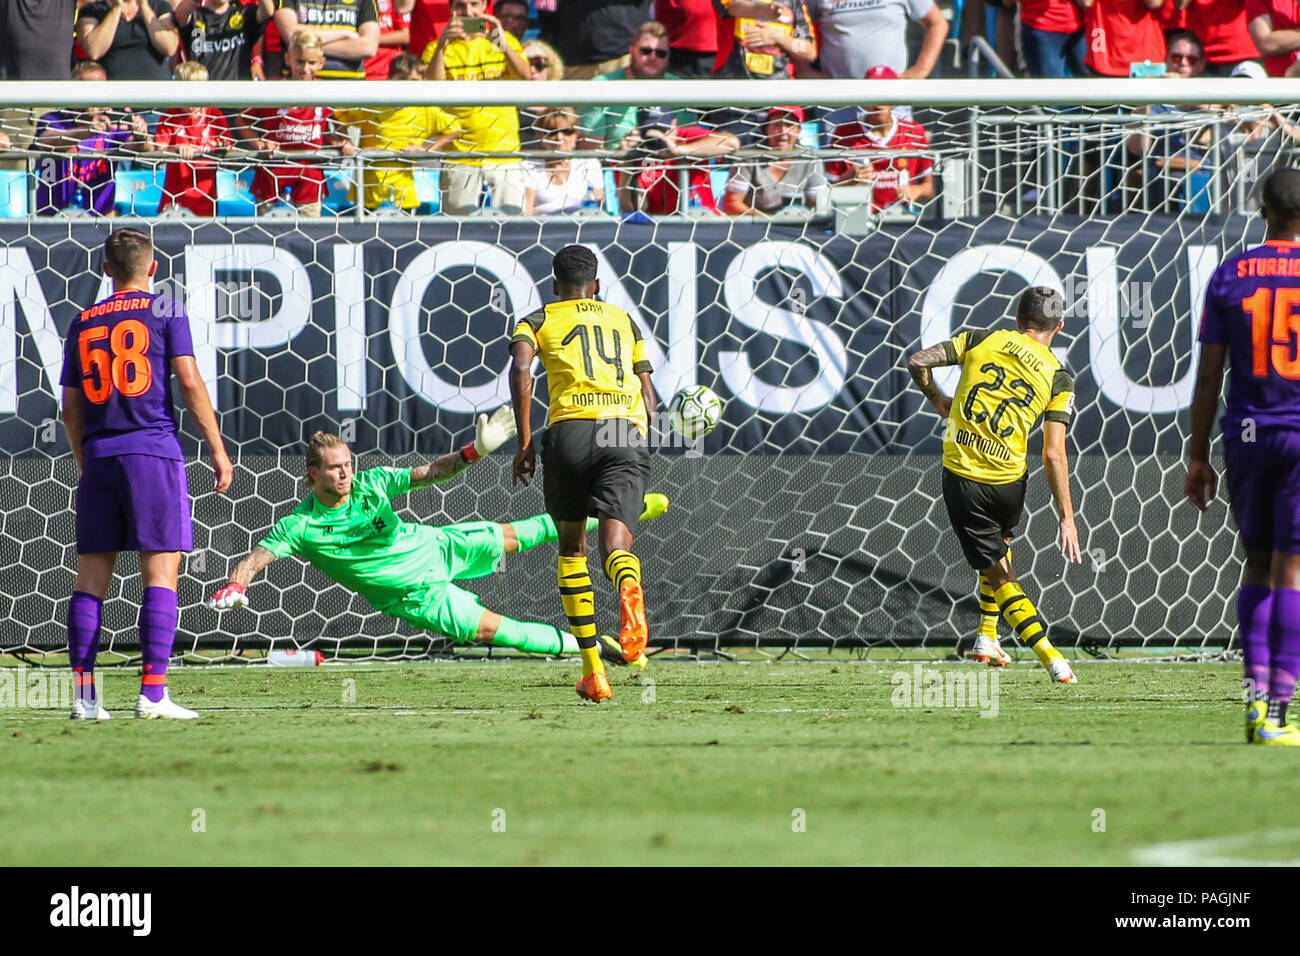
(138, 192)
(428, 189)
(1198, 191)
(13, 193)
(718, 177)
(233, 197)
(611, 193)
(338, 183)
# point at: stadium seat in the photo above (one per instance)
(338, 185)
(13, 193)
(718, 177)
(1198, 191)
(428, 189)
(611, 193)
(233, 197)
(138, 192)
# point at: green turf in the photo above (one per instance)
(707, 766)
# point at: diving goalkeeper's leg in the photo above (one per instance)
(527, 533)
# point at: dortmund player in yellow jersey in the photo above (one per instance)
(1008, 380)
(594, 456)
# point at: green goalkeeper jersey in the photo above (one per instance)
(362, 544)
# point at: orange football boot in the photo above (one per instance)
(634, 633)
(594, 687)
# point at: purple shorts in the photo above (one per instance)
(1264, 489)
(133, 503)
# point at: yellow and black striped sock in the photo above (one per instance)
(988, 610)
(1023, 617)
(580, 608)
(621, 567)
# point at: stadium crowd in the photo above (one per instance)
(668, 159)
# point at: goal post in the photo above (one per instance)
(812, 516)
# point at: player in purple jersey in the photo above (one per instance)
(132, 496)
(1252, 322)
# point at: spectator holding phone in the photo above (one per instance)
(476, 47)
(764, 187)
(663, 155)
(394, 35)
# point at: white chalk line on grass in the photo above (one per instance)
(1216, 851)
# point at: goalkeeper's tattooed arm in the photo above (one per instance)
(491, 433)
(251, 567)
(919, 365)
(440, 469)
(233, 593)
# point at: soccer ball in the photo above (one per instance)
(695, 411)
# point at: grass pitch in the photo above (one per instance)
(754, 763)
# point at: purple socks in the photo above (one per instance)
(1254, 611)
(158, 616)
(1284, 644)
(85, 611)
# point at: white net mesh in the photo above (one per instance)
(814, 517)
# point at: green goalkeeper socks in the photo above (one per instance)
(540, 529)
(533, 638)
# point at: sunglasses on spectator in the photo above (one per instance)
(561, 131)
(1189, 57)
(650, 50)
(539, 62)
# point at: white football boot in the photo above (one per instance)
(1060, 672)
(84, 711)
(989, 652)
(148, 710)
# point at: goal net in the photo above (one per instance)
(812, 516)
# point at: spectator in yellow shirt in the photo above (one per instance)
(403, 129)
(474, 46)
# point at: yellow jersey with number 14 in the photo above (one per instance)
(1007, 381)
(593, 356)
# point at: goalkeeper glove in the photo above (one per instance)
(492, 432)
(232, 595)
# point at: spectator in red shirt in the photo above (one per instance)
(1120, 33)
(653, 183)
(1051, 38)
(1274, 26)
(191, 131)
(1221, 25)
(291, 129)
(902, 179)
(692, 35)
(394, 34)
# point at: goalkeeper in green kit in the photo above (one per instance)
(348, 530)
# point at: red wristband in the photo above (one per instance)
(470, 453)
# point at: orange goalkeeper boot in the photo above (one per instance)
(634, 633)
(594, 687)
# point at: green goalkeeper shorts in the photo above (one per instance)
(473, 549)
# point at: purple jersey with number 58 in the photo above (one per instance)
(119, 352)
(1252, 306)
